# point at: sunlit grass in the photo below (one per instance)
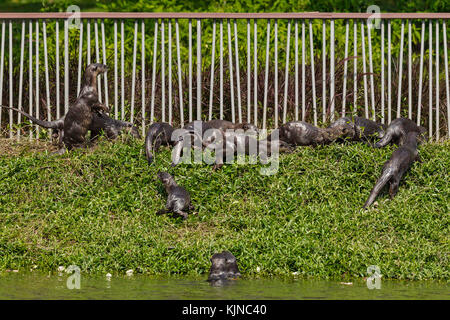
(97, 209)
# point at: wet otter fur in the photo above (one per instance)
(225, 125)
(178, 199)
(223, 268)
(363, 129)
(113, 128)
(299, 133)
(397, 131)
(235, 143)
(394, 169)
(78, 119)
(80, 114)
(100, 122)
(194, 132)
(158, 134)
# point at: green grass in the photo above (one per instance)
(96, 209)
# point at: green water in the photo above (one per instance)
(38, 286)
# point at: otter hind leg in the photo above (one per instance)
(181, 213)
(393, 187)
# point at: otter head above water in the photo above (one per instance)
(223, 267)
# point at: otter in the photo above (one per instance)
(225, 125)
(395, 168)
(223, 268)
(159, 133)
(78, 119)
(80, 114)
(397, 131)
(100, 121)
(234, 143)
(299, 133)
(113, 128)
(195, 131)
(178, 199)
(363, 129)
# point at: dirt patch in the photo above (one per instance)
(14, 147)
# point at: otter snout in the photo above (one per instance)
(97, 68)
(105, 108)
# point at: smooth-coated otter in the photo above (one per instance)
(80, 114)
(395, 168)
(178, 199)
(193, 133)
(159, 133)
(223, 267)
(363, 129)
(397, 131)
(225, 125)
(242, 143)
(299, 133)
(113, 128)
(100, 122)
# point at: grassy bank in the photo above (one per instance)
(96, 209)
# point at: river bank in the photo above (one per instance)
(97, 209)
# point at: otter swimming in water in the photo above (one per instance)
(223, 268)
(395, 168)
(178, 199)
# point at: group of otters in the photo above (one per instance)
(87, 113)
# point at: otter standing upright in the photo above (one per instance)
(100, 122)
(80, 114)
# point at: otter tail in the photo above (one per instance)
(56, 124)
(381, 182)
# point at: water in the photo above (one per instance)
(38, 286)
